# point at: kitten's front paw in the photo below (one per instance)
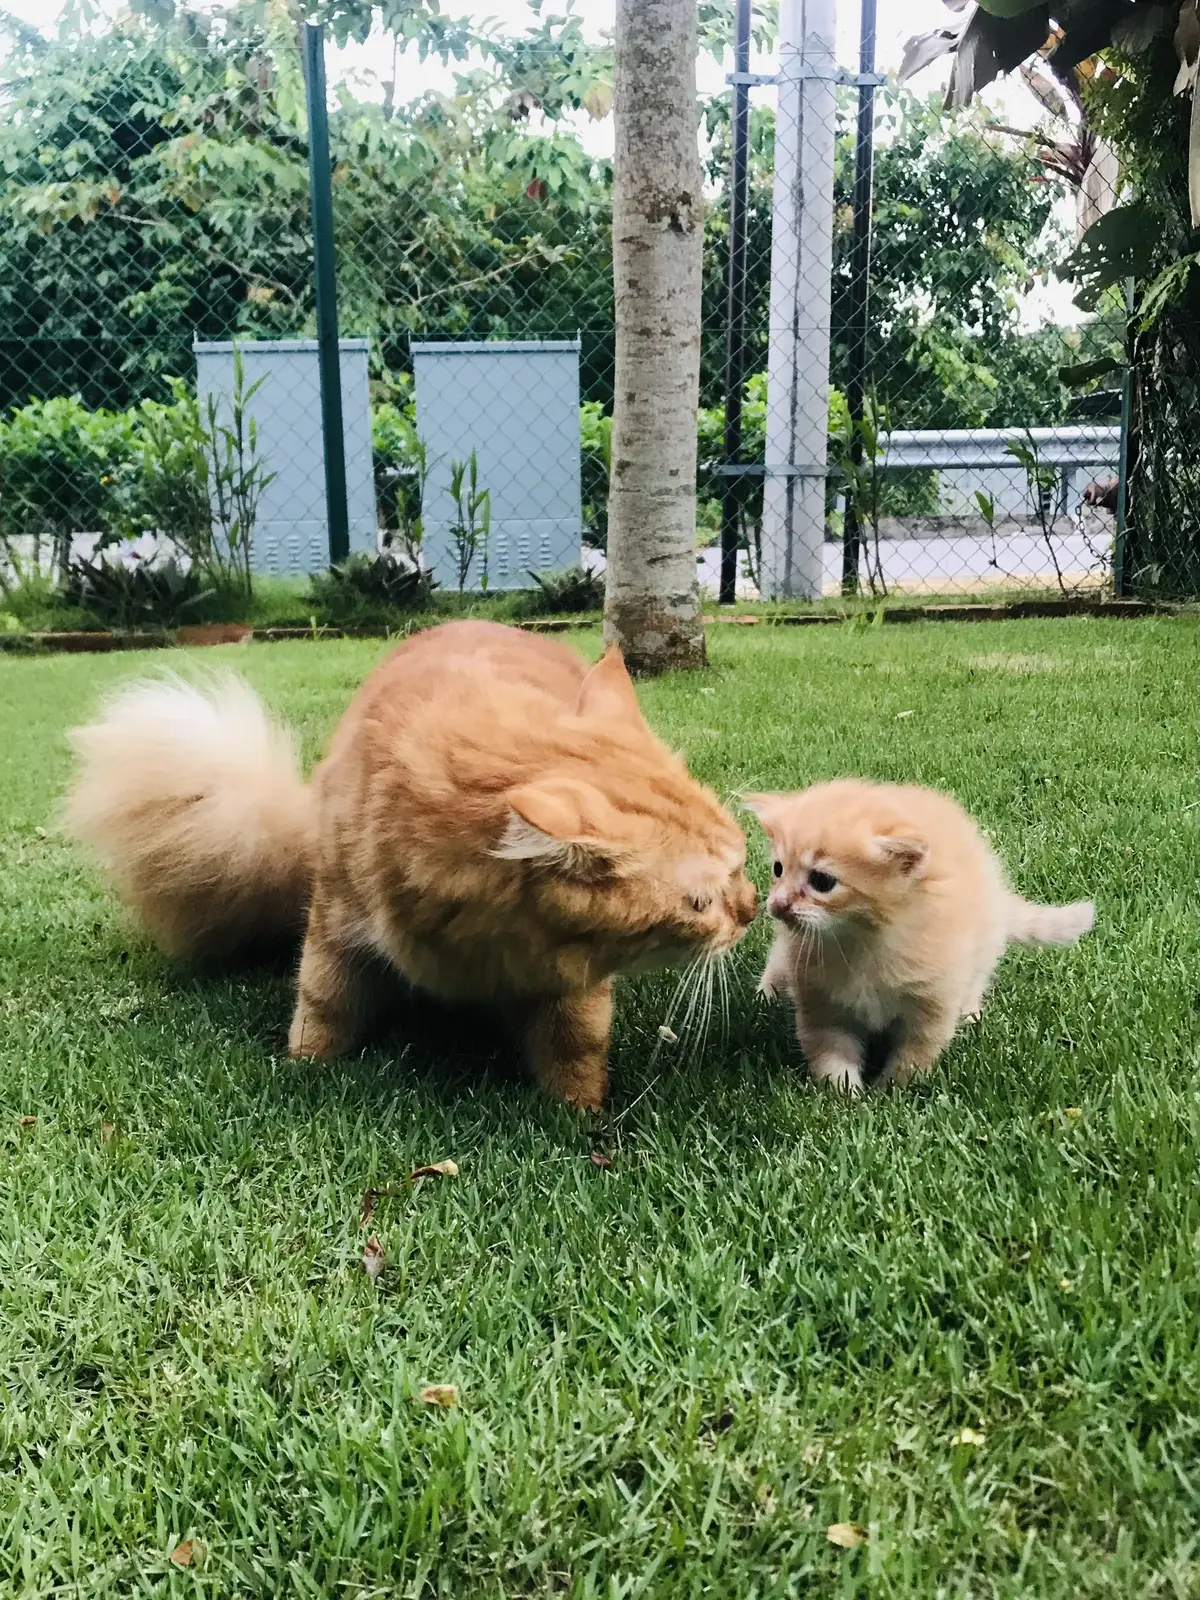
(840, 1075)
(767, 990)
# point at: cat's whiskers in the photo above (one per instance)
(682, 988)
(714, 981)
(723, 976)
(705, 1017)
(705, 977)
(810, 945)
(686, 1034)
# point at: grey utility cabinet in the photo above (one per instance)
(516, 405)
(292, 531)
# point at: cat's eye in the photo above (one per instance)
(778, 869)
(822, 882)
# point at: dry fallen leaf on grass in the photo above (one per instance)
(668, 1035)
(845, 1534)
(374, 1258)
(438, 1169)
(1068, 1113)
(970, 1436)
(599, 1159)
(900, 715)
(440, 1394)
(28, 1122)
(108, 1132)
(188, 1553)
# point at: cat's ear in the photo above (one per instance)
(901, 851)
(766, 807)
(560, 821)
(607, 690)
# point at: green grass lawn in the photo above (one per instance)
(774, 1312)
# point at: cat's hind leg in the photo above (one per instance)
(927, 1036)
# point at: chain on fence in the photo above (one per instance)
(897, 395)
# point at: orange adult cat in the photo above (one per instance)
(892, 912)
(493, 821)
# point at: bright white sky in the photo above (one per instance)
(369, 64)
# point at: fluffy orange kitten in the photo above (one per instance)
(493, 821)
(892, 912)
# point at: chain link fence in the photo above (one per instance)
(972, 413)
(897, 394)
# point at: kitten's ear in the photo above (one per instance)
(766, 807)
(559, 821)
(607, 690)
(908, 854)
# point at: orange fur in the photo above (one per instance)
(887, 959)
(493, 820)
(192, 799)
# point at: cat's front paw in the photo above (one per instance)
(767, 989)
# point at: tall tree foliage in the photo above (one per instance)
(961, 233)
(153, 187)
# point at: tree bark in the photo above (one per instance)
(651, 604)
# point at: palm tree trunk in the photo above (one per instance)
(651, 602)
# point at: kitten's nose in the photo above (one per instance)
(779, 901)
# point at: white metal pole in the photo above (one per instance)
(801, 264)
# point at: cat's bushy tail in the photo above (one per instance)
(191, 798)
(1030, 923)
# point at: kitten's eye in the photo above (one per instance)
(822, 882)
(778, 869)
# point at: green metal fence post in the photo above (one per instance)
(321, 192)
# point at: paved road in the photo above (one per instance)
(961, 565)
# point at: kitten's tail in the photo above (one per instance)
(192, 800)
(1033, 924)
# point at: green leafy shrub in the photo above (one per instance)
(572, 591)
(188, 475)
(400, 470)
(366, 589)
(60, 467)
(163, 484)
(144, 594)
